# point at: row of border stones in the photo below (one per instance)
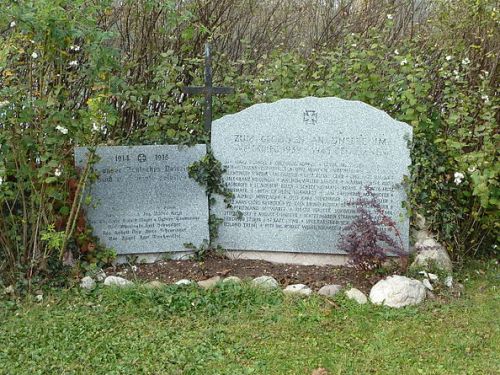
(394, 291)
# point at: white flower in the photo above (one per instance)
(38, 160)
(34, 55)
(403, 62)
(485, 98)
(1, 180)
(4, 103)
(73, 63)
(390, 16)
(448, 58)
(466, 61)
(13, 24)
(354, 45)
(62, 129)
(95, 128)
(471, 169)
(57, 172)
(74, 48)
(458, 177)
(396, 52)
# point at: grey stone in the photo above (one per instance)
(117, 281)
(144, 200)
(294, 165)
(356, 295)
(298, 289)
(398, 291)
(427, 284)
(433, 277)
(209, 283)
(100, 276)
(184, 282)
(265, 282)
(155, 284)
(87, 283)
(448, 281)
(232, 279)
(329, 290)
(431, 253)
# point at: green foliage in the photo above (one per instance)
(54, 87)
(86, 73)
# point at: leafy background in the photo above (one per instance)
(110, 72)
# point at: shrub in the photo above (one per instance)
(372, 235)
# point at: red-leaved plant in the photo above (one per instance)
(372, 235)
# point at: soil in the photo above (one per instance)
(170, 271)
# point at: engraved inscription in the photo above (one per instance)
(144, 201)
(296, 165)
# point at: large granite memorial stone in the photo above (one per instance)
(294, 166)
(144, 200)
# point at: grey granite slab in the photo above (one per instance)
(144, 200)
(294, 165)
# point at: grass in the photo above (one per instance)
(236, 329)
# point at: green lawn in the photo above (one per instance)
(236, 329)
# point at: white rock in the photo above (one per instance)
(427, 284)
(117, 281)
(100, 276)
(232, 279)
(87, 283)
(448, 281)
(265, 282)
(209, 283)
(429, 251)
(183, 282)
(432, 277)
(329, 290)
(9, 290)
(298, 289)
(155, 284)
(356, 295)
(423, 273)
(398, 291)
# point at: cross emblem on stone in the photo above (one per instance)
(208, 90)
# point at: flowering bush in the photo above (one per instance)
(53, 86)
(87, 73)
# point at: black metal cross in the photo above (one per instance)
(208, 90)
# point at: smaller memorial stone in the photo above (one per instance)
(144, 201)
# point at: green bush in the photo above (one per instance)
(87, 73)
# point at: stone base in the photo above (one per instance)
(306, 259)
(154, 257)
(290, 258)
